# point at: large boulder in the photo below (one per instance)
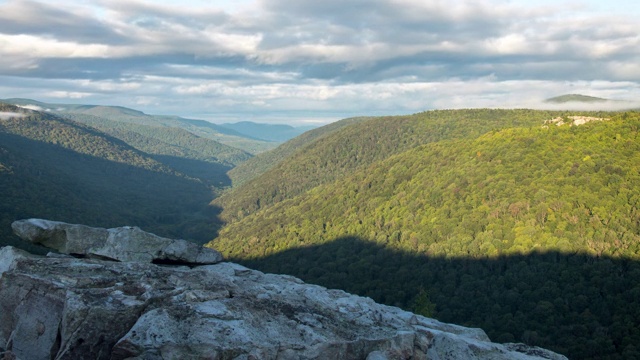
(122, 244)
(74, 308)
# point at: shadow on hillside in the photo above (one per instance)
(52, 182)
(581, 306)
(213, 174)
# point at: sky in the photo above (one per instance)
(310, 62)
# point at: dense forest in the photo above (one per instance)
(327, 158)
(183, 151)
(130, 118)
(500, 219)
(262, 162)
(59, 169)
(487, 218)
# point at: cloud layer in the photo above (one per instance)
(314, 61)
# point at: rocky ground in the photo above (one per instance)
(126, 294)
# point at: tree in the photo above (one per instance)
(422, 304)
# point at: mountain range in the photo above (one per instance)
(525, 223)
(248, 136)
(113, 166)
(69, 171)
(267, 132)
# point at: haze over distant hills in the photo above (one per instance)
(268, 132)
(248, 139)
(575, 98)
(587, 103)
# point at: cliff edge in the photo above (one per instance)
(164, 299)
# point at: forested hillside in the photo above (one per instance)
(529, 231)
(259, 164)
(59, 169)
(130, 117)
(327, 158)
(196, 156)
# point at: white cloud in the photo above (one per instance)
(5, 115)
(34, 47)
(315, 59)
(32, 107)
(67, 94)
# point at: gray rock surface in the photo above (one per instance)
(69, 308)
(121, 244)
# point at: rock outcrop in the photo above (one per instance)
(123, 244)
(63, 307)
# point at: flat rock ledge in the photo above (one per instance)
(63, 307)
(127, 243)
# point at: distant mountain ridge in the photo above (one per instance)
(575, 98)
(267, 132)
(202, 128)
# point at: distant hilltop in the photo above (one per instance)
(575, 98)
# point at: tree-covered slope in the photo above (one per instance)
(170, 140)
(354, 147)
(74, 136)
(508, 191)
(184, 151)
(200, 128)
(500, 199)
(59, 169)
(582, 306)
(262, 162)
(124, 115)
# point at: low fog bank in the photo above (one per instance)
(608, 105)
(5, 115)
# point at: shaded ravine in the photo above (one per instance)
(49, 181)
(581, 306)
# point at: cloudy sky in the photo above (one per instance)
(311, 61)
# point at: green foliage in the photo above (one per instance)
(261, 163)
(579, 305)
(181, 150)
(124, 116)
(58, 169)
(519, 198)
(361, 144)
(422, 304)
(200, 128)
(76, 137)
(164, 140)
(510, 191)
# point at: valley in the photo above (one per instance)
(113, 166)
(487, 218)
(517, 221)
